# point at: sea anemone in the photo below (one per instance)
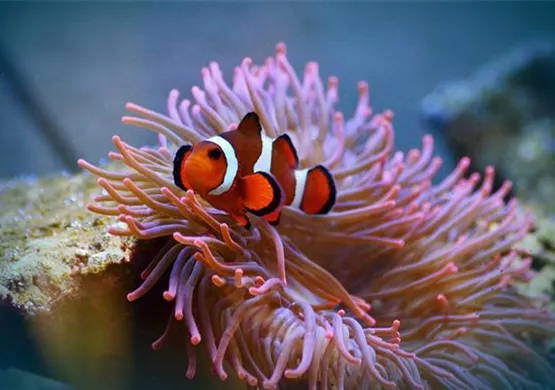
(404, 284)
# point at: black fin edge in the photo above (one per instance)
(290, 142)
(333, 191)
(178, 159)
(238, 220)
(256, 118)
(278, 195)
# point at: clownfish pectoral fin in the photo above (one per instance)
(285, 149)
(250, 125)
(262, 193)
(273, 217)
(242, 220)
(178, 172)
(319, 192)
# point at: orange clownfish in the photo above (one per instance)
(244, 170)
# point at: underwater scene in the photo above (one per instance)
(277, 195)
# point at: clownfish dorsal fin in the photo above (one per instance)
(285, 149)
(178, 171)
(262, 193)
(250, 125)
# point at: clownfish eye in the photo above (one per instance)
(215, 154)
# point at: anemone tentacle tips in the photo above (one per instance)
(404, 284)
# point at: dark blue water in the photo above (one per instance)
(67, 69)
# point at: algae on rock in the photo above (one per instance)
(54, 268)
(49, 237)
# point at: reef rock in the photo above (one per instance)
(63, 285)
(541, 245)
(55, 271)
(504, 115)
(49, 240)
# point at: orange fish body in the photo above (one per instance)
(310, 190)
(244, 170)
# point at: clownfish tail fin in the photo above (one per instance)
(178, 173)
(262, 193)
(320, 193)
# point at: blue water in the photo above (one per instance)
(67, 69)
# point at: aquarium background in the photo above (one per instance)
(68, 68)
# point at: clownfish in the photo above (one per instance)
(244, 170)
